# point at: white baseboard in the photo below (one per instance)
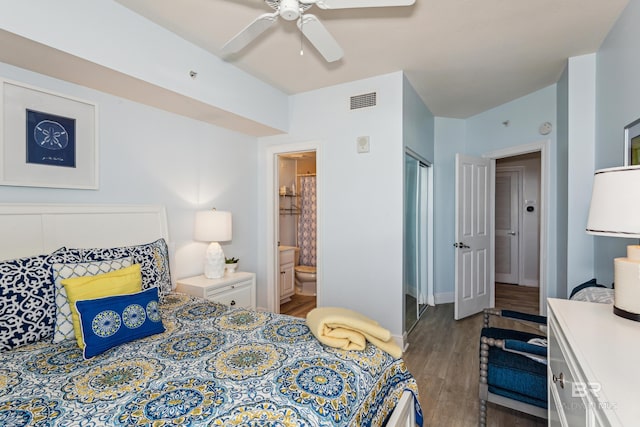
(530, 282)
(444, 297)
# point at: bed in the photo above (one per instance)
(203, 364)
(591, 291)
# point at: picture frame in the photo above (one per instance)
(632, 143)
(47, 139)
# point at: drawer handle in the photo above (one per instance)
(233, 302)
(559, 379)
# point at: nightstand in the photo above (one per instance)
(233, 289)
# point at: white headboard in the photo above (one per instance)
(33, 229)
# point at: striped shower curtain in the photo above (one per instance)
(307, 221)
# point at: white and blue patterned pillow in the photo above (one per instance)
(110, 321)
(153, 259)
(63, 328)
(27, 307)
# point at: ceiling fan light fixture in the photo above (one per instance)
(309, 25)
(289, 10)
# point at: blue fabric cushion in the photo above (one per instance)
(514, 375)
(153, 258)
(111, 321)
(27, 301)
(524, 316)
(526, 347)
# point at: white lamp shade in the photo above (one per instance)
(213, 226)
(615, 203)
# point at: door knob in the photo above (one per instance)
(512, 233)
(559, 379)
(461, 245)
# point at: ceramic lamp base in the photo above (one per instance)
(214, 261)
(626, 292)
(626, 314)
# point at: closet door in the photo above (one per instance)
(415, 240)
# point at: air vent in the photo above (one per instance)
(363, 101)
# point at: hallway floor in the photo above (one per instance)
(443, 357)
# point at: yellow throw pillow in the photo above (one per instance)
(124, 281)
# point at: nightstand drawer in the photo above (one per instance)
(238, 295)
(236, 289)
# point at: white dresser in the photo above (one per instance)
(594, 366)
(234, 289)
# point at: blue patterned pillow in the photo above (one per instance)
(111, 321)
(27, 301)
(153, 258)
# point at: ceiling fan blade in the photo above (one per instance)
(250, 32)
(350, 4)
(320, 38)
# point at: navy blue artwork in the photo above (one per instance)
(51, 139)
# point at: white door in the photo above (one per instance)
(473, 255)
(507, 227)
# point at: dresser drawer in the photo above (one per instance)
(236, 295)
(565, 384)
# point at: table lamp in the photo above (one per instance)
(615, 211)
(213, 226)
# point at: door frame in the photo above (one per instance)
(273, 211)
(545, 169)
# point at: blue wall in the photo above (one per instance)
(477, 136)
(450, 135)
(417, 122)
(618, 104)
(562, 180)
(486, 132)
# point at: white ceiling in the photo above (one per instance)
(462, 56)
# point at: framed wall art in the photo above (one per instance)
(47, 139)
(632, 143)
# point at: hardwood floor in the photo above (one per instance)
(299, 305)
(443, 357)
(518, 298)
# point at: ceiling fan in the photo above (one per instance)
(308, 24)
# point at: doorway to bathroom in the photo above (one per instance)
(297, 232)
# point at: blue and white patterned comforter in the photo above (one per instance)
(212, 366)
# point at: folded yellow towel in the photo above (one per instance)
(349, 330)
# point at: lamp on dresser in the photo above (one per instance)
(615, 212)
(213, 226)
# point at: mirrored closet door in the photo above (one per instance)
(415, 239)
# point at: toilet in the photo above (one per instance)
(305, 276)
(305, 280)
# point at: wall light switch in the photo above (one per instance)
(363, 144)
